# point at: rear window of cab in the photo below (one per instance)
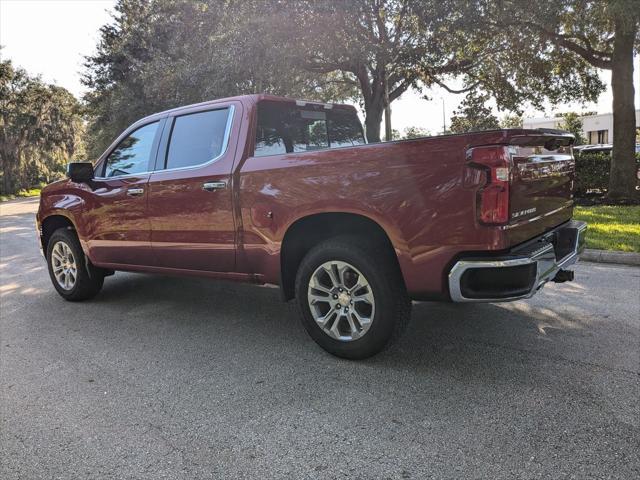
(286, 128)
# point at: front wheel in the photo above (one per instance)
(72, 278)
(353, 300)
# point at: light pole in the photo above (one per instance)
(388, 133)
(444, 121)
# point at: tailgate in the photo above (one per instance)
(542, 178)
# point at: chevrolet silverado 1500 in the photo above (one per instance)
(270, 190)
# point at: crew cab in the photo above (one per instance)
(271, 190)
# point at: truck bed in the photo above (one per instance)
(422, 192)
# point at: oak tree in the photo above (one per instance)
(598, 34)
(474, 115)
(40, 129)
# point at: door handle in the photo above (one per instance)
(213, 186)
(135, 192)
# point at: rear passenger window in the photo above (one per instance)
(284, 128)
(197, 138)
(133, 153)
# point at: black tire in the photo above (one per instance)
(392, 304)
(89, 279)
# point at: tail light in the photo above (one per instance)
(493, 196)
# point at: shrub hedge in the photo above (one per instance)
(592, 172)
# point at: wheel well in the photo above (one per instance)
(307, 232)
(50, 225)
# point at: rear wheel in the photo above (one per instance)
(352, 297)
(70, 274)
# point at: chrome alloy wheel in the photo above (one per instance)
(341, 301)
(64, 265)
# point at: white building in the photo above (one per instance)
(595, 128)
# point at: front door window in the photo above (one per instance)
(132, 154)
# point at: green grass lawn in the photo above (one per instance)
(611, 227)
(31, 192)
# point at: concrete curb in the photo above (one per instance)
(608, 256)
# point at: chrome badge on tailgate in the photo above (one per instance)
(522, 213)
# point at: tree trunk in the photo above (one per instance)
(7, 183)
(622, 182)
(7, 176)
(373, 118)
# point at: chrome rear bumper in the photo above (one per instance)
(520, 273)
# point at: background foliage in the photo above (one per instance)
(592, 173)
(159, 54)
(473, 115)
(40, 130)
(571, 122)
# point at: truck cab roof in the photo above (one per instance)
(252, 99)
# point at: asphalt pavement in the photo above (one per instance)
(161, 377)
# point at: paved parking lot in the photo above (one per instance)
(162, 377)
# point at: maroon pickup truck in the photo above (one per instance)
(270, 190)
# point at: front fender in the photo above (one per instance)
(65, 204)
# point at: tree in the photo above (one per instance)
(415, 132)
(160, 54)
(602, 35)
(572, 122)
(511, 120)
(40, 128)
(515, 69)
(384, 47)
(381, 47)
(473, 115)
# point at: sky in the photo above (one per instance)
(51, 37)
